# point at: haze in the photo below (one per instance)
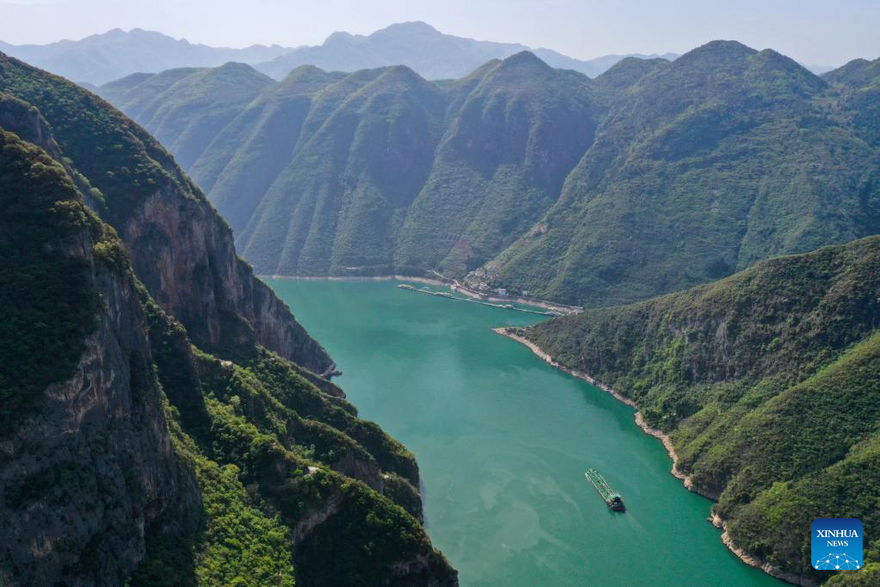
(811, 31)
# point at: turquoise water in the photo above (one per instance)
(503, 441)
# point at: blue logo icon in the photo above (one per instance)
(836, 544)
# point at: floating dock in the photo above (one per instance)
(449, 296)
(611, 498)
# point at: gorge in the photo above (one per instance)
(706, 224)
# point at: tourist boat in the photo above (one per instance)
(612, 499)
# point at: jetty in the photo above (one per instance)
(449, 296)
(611, 498)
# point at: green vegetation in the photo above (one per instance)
(500, 165)
(175, 239)
(254, 459)
(651, 178)
(47, 305)
(766, 382)
(704, 166)
(232, 541)
(186, 115)
(324, 173)
(299, 452)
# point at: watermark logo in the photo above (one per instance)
(836, 544)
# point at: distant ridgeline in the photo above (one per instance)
(163, 420)
(768, 383)
(653, 177)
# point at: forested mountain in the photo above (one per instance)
(163, 416)
(767, 382)
(98, 59)
(186, 106)
(425, 50)
(653, 177)
(722, 158)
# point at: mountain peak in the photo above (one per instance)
(338, 37)
(717, 50)
(415, 26)
(628, 71)
(524, 59)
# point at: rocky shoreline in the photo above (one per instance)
(714, 519)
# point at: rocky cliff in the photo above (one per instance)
(155, 430)
(87, 464)
(180, 248)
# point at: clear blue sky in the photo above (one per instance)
(823, 32)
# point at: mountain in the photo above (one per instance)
(500, 165)
(425, 50)
(188, 105)
(857, 86)
(766, 382)
(163, 416)
(98, 59)
(653, 177)
(346, 174)
(724, 157)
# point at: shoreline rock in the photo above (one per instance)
(714, 519)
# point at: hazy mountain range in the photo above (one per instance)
(101, 58)
(425, 50)
(98, 59)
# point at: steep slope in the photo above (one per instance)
(74, 373)
(857, 86)
(187, 115)
(331, 174)
(131, 455)
(424, 49)
(699, 167)
(766, 382)
(500, 165)
(248, 155)
(181, 249)
(723, 157)
(98, 59)
(363, 154)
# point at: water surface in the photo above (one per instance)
(503, 439)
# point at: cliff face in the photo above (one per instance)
(153, 428)
(185, 256)
(180, 248)
(91, 463)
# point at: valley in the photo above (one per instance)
(503, 441)
(410, 309)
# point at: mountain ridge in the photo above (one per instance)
(550, 184)
(101, 58)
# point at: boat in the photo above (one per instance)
(611, 498)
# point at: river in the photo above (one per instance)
(503, 440)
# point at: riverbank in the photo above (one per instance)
(425, 280)
(714, 519)
(440, 280)
(467, 300)
(525, 300)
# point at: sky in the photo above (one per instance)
(814, 32)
